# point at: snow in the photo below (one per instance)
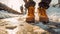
(5, 14)
(54, 14)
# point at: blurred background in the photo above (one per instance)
(15, 4)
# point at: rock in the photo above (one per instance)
(11, 27)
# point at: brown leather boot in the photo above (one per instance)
(30, 16)
(42, 15)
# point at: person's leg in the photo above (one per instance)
(21, 8)
(30, 16)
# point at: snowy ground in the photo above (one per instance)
(15, 24)
(54, 14)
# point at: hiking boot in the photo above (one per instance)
(43, 16)
(30, 16)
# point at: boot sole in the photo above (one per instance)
(30, 21)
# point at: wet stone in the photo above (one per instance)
(11, 27)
